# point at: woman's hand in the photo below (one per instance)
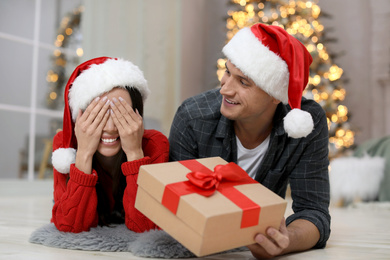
(130, 127)
(88, 130)
(271, 245)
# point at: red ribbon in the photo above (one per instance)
(205, 182)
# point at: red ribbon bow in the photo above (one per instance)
(205, 182)
(210, 181)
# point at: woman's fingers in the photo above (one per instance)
(130, 128)
(115, 119)
(117, 116)
(134, 116)
(89, 125)
(125, 112)
(102, 116)
(93, 109)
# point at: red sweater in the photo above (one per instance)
(75, 202)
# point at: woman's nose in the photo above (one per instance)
(110, 126)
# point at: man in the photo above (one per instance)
(259, 120)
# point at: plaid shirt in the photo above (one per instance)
(199, 130)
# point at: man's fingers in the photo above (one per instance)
(280, 238)
(283, 227)
(258, 251)
(269, 246)
(275, 241)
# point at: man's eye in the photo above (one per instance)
(227, 71)
(244, 83)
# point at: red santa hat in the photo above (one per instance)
(279, 64)
(89, 80)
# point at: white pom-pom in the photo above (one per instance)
(62, 158)
(298, 123)
(354, 178)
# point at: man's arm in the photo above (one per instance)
(309, 181)
(309, 226)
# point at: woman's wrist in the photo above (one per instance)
(84, 162)
(135, 155)
(132, 167)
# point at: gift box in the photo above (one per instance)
(208, 205)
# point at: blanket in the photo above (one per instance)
(154, 243)
(378, 147)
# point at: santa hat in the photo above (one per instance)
(278, 64)
(89, 80)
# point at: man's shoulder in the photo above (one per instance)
(308, 105)
(313, 108)
(202, 106)
(317, 113)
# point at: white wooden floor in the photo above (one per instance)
(357, 233)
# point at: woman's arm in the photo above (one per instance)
(75, 201)
(156, 148)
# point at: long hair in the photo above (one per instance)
(107, 217)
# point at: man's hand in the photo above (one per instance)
(271, 245)
(300, 235)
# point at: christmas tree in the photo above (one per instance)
(301, 20)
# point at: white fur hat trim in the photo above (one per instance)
(263, 66)
(101, 78)
(353, 178)
(62, 158)
(298, 123)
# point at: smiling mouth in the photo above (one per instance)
(109, 140)
(230, 102)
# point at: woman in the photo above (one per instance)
(97, 155)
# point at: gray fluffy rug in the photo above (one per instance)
(154, 243)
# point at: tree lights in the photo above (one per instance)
(68, 50)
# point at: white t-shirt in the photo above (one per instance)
(250, 159)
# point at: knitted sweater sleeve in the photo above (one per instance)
(75, 206)
(156, 150)
(75, 200)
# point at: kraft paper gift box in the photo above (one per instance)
(207, 220)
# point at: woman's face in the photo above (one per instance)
(110, 142)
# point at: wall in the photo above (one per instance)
(361, 28)
(176, 43)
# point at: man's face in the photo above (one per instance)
(242, 100)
